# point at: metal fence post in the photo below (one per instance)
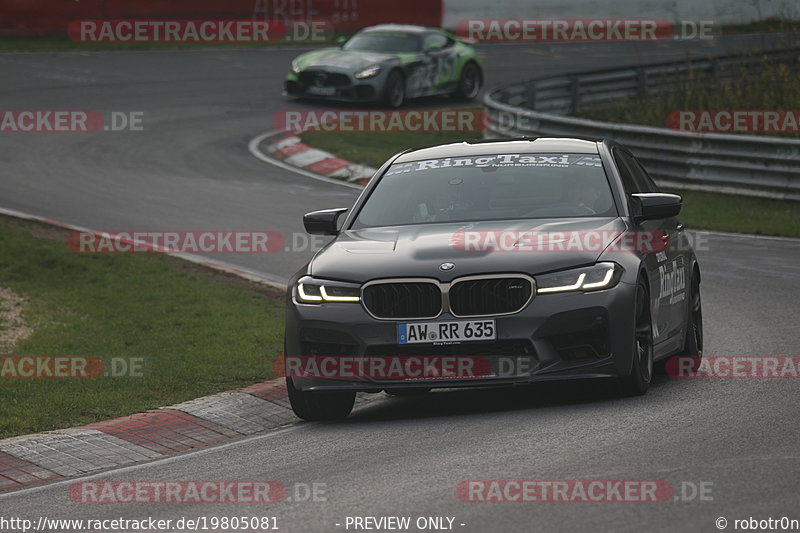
(531, 88)
(641, 78)
(575, 95)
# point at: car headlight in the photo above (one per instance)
(368, 72)
(594, 278)
(295, 66)
(314, 291)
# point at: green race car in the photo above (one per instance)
(388, 63)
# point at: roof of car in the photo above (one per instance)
(409, 28)
(486, 147)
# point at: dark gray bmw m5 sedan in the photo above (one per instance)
(490, 263)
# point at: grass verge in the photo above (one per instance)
(739, 214)
(196, 331)
(701, 210)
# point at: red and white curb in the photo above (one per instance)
(40, 457)
(52, 455)
(292, 151)
(140, 437)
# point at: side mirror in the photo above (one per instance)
(323, 222)
(655, 205)
(432, 47)
(340, 40)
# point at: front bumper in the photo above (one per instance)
(557, 336)
(339, 86)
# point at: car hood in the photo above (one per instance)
(342, 59)
(419, 250)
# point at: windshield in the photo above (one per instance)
(376, 41)
(491, 187)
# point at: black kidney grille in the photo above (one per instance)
(403, 300)
(491, 296)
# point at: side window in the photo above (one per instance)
(648, 182)
(437, 40)
(625, 164)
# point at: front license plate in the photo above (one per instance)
(322, 91)
(446, 332)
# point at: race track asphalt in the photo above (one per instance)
(190, 170)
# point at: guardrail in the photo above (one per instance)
(742, 164)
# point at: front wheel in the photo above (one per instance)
(469, 85)
(311, 405)
(638, 381)
(693, 342)
(395, 91)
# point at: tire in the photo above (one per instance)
(312, 406)
(693, 342)
(469, 85)
(641, 375)
(394, 92)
